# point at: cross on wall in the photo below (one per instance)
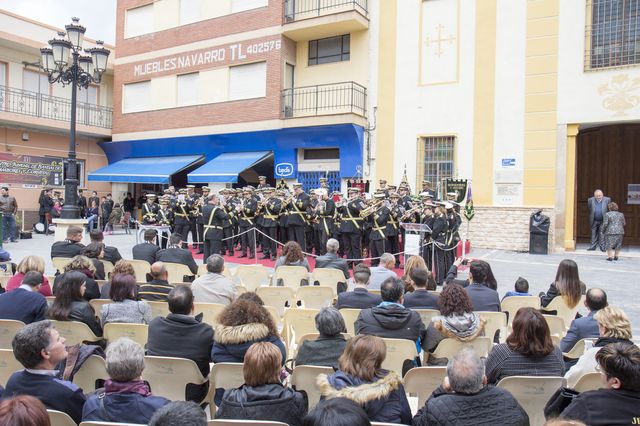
(440, 40)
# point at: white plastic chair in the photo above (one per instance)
(532, 393)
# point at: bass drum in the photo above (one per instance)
(39, 228)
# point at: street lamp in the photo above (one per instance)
(82, 71)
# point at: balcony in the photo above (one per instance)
(38, 105)
(313, 19)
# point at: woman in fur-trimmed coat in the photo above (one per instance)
(361, 380)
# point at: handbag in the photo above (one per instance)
(559, 401)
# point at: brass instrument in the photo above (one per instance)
(371, 209)
(407, 214)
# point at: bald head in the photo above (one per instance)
(596, 299)
(159, 271)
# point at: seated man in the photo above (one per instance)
(25, 303)
(39, 348)
(182, 335)
(214, 287)
(71, 246)
(383, 271)
(111, 254)
(359, 298)
(390, 318)
(159, 287)
(482, 297)
(585, 327)
(332, 261)
(147, 250)
(465, 399)
(420, 298)
(174, 253)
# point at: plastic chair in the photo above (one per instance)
(97, 304)
(225, 375)
(74, 332)
(495, 321)
(577, 350)
(276, 297)
(291, 276)
(8, 329)
(253, 276)
(177, 271)
(427, 314)
(532, 393)
(422, 381)
(58, 418)
(158, 309)
(511, 304)
(449, 347)
(210, 311)
(220, 422)
(141, 268)
(136, 332)
(350, 316)
(398, 350)
(563, 311)
(297, 323)
(276, 318)
(556, 325)
(304, 378)
(555, 339)
(589, 381)
(314, 336)
(108, 268)
(315, 297)
(169, 376)
(328, 277)
(59, 263)
(8, 365)
(92, 369)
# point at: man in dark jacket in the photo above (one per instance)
(111, 254)
(147, 250)
(158, 289)
(71, 246)
(176, 254)
(182, 335)
(390, 318)
(465, 399)
(585, 327)
(359, 298)
(420, 298)
(331, 259)
(482, 297)
(25, 303)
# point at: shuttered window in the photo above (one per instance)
(137, 97)
(242, 5)
(139, 21)
(248, 81)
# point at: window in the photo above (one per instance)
(136, 97)
(332, 49)
(613, 35)
(436, 154)
(35, 82)
(188, 89)
(3, 74)
(242, 5)
(190, 11)
(88, 95)
(248, 81)
(139, 21)
(322, 154)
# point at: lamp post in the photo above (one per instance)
(82, 71)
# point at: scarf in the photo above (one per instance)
(463, 326)
(604, 341)
(134, 386)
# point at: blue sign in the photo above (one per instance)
(284, 170)
(508, 162)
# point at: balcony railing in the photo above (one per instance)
(52, 107)
(295, 10)
(324, 99)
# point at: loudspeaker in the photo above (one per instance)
(538, 244)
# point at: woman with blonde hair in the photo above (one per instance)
(614, 327)
(121, 267)
(411, 264)
(567, 284)
(28, 264)
(84, 265)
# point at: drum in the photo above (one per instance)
(39, 228)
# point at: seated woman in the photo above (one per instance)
(292, 256)
(28, 264)
(567, 285)
(56, 210)
(92, 215)
(125, 306)
(95, 252)
(262, 397)
(327, 348)
(121, 267)
(70, 305)
(414, 262)
(126, 397)
(487, 279)
(528, 351)
(457, 320)
(82, 264)
(361, 379)
(614, 327)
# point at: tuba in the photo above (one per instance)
(372, 208)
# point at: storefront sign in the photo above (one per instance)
(633, 193)
(284, 170)
(31, 170)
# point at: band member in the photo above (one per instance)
(393, 226)
(382, 187)
(311, 230)
(164, 218)
(324, 184)
(193, 215)
(262, 182)
(351, 224)
(426, 187)
(197, 209)
(438, 238)
(150, 210)
(247, 211)
(282, 219)
(214, 216)
(181, 215)
(228, 224)
(270, 208)
(325, 210)
(296, 222)
(379, 219)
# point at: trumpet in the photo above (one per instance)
(372, 208)
(407, 214)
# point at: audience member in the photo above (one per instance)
(292, 256)
(483, 297)
(613, 327)
(567, 285)
(174, 253)
(69, 304)
(148, 249)
(336, 412)
(331, 259)
(126, 397)
(95, 252)
(383, 271)
(182, 335)
(23, 410)
(121, 267)
(125, 306)
(158, 288)
(359, 298)
(263, 397)
(69, 247)
(179, 413)
(457, 321)
(520, 288)
(420, 298)
(111, 254)
(25, 303)
(361, 379)
(464, 399)
(82, 264)
(618, 402)
(528, 351)
(28, 264)
(213, 287)
(39, 348)
(585, 327)
(412, 263)
(327, 348)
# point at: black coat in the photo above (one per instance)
(391, 321)
(421, 299)
(213, 220)
(111, 254)
(145, 251)
(483, 298)
(332, 261)
(323, 351)
(66, 248)
(359, 298)
(92, 289)
(177, 255)
(83, 312)
(297, 210)
(604, 407)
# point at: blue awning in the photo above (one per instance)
(226, 167)
(144, 170)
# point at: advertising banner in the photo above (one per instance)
(30, 170)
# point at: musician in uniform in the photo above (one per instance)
(262, 182)
(325, 210)
(198, 206)
(297, 221)
(282, 218)
(324, 184)
(453, 236)
(150, 210)
(193, 214)
(393, 226)
(226, 202)
(351, 224)
(214, 217)
(426, 187)
(382, 187)
(247, 211)
(181, 215)
(164, 218)
(439, 230)
(379, 219)
(312, 228)
(270, 210)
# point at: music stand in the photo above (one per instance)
(413, 237)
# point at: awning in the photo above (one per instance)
(226, 167)
(144, 170)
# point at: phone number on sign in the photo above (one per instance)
(265, 47)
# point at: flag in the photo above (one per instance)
(469, 212)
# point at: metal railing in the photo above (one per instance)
(324, 99)
(295, 10)
(52, 107)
